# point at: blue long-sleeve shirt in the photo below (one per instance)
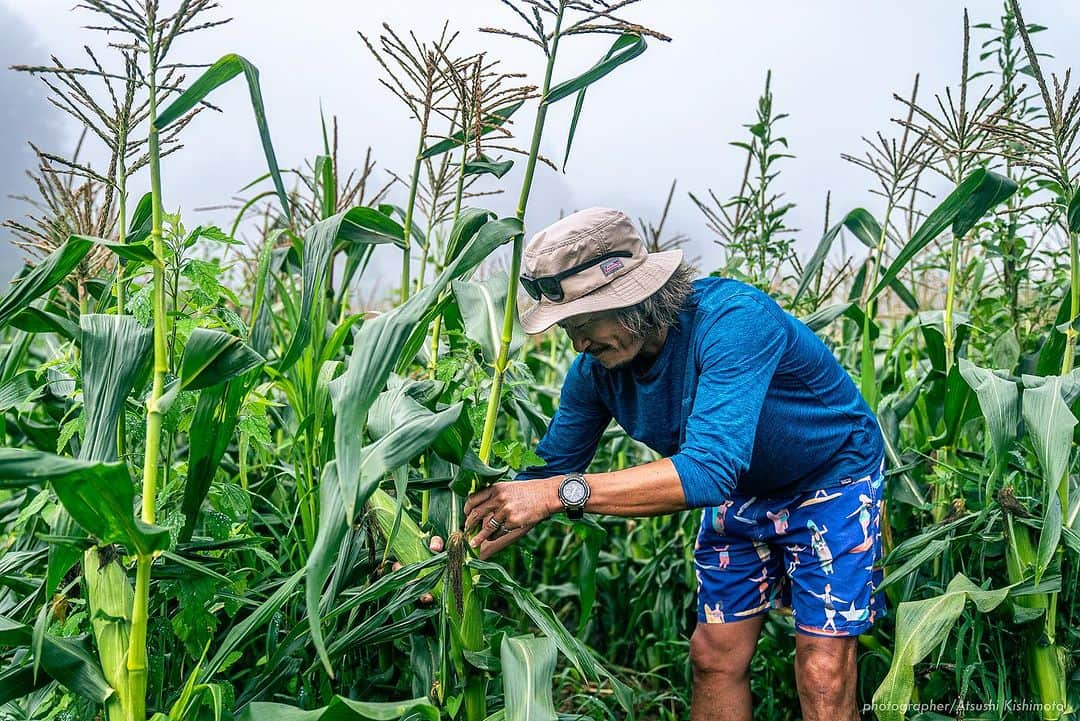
(742, 396)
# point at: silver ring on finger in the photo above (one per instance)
(495, 523)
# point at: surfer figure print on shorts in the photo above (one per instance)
(720, 516)
(794, 562)
(821, 496)
(723, 557)
(779, 520)
(714, 614)
(865, 504)
(830, 609)
(821, 549)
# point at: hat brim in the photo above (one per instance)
(622, 292)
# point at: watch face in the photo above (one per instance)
(573, 492)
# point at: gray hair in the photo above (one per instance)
(661, 309)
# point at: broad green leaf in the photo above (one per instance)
(528, 665)
(469, 223)
(213, 356)
(142, 220)
(211, 432)
(221, 72)
(496, 119)
(482, 306)
(34, 320)
(99, 496)
(550, 625)
(52, 270)
(66, 660)
(933, 549)
(343, 709)
(992, 191)
(822, 317)
(1050, 425)
(1053, 347)
(999, 401)
(483, 165)
(921, 626)
(17, 390)
(115, 353)
(357, 225)
(1073, 213)
(333, 525)
(376, 350)
(962, 208)
(626, 47)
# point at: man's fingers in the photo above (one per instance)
(495, 545)
(479, 515)
(476, 499)
(436, 544)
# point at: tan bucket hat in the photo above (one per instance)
(598, 262)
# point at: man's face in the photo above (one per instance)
(601, 336)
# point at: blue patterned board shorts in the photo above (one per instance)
(814, 552)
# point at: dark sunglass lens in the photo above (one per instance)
(530, 287)
(551, 287)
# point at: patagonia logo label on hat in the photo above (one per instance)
(611, 266)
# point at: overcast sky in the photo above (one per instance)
(668, 114)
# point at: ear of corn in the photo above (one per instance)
(110, 597)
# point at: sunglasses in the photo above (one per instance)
(550, 286)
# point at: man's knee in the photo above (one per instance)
(825, 665)
(724, 649)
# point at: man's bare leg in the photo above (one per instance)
(720, 656)
(826, 674)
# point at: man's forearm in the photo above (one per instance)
(652, 489)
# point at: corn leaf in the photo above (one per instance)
(343, 709)
(244, 631)
(49, 273)
(920, 627)
(115, 352)
(17, 390)
(483, 165)
(1053, 348)
(211, 432)
(142, 220)
(213, 356)
(495, 120)
(999, 401)
(356, 225)
(962, 208)
(99, 496)
(376, 350)
(481, 303)
(65, 660)
(1050, 425)
(550, 625)
(35, 320)
(1073, 212)
(221, 72)
(625, 48)
(528, 666)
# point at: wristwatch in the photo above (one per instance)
(574, 493)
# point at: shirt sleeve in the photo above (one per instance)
(571, 439)
(738, 353)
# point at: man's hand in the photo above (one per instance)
(515, 506)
